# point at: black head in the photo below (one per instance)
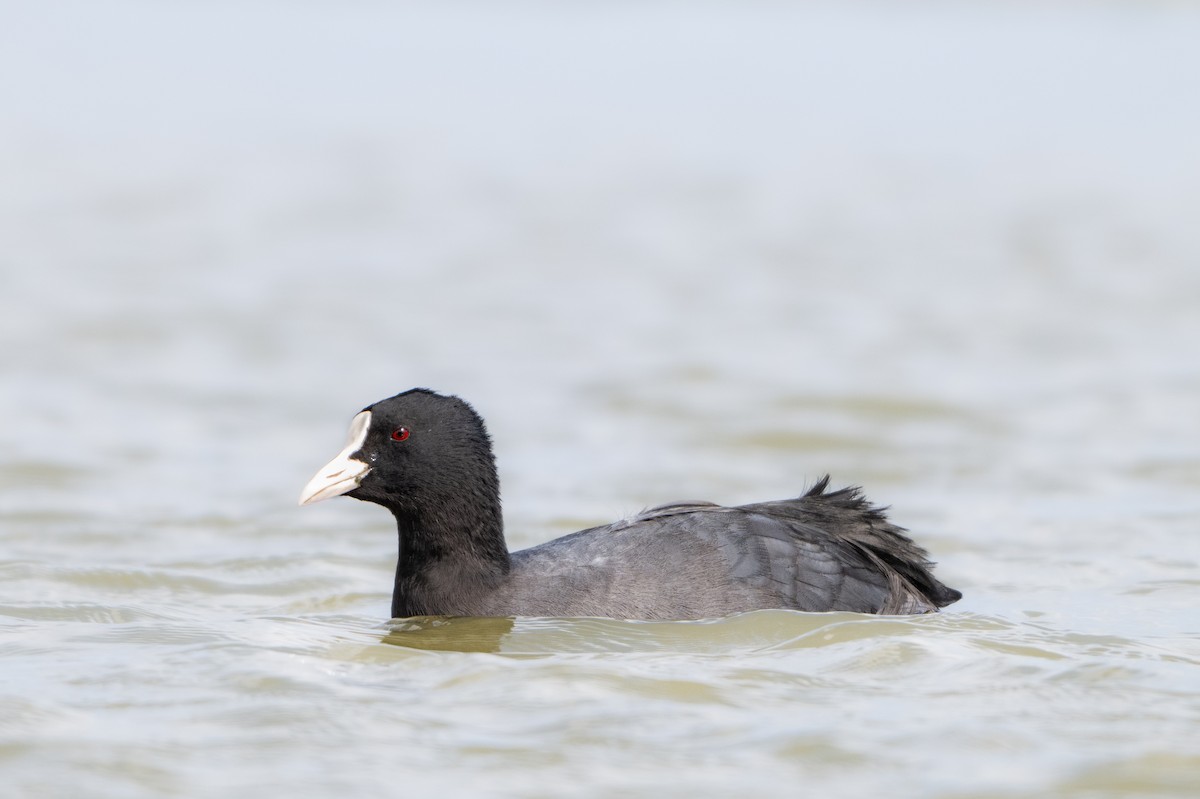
(416, 452)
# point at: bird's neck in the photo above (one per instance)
(451, 557)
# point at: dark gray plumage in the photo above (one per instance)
(428, 459)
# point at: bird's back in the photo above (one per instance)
(818, 552)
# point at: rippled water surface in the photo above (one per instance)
(669, 251)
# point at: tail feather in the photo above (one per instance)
(848, 514)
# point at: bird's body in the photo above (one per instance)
(427, 458)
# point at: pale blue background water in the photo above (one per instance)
(670, 251)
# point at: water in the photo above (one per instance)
(669, 251)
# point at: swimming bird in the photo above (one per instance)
(428, 459)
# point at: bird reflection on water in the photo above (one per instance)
(743, 633)
(450, 633)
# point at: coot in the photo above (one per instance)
(427, 458)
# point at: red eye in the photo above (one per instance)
(400, 434)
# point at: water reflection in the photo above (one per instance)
(755, 631)
(449, 633)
